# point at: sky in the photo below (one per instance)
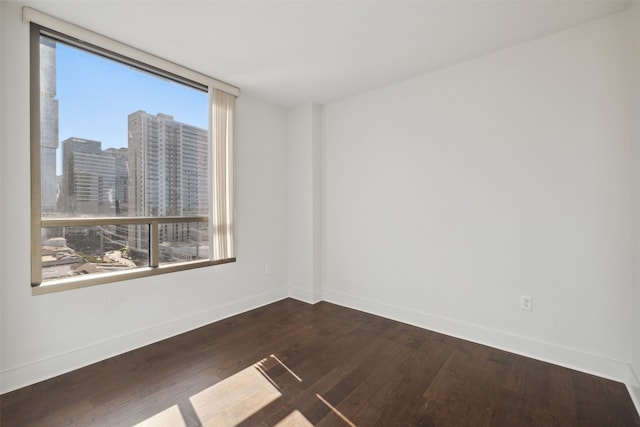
(96, 95)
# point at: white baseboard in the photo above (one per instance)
(48, 368)
(544, 351)
(633, 385)
(634, 392)
(304, 295)
(44, 369)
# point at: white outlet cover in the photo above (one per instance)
(526, 302)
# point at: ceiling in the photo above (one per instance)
(291, 52)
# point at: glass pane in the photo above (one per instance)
(118, 141)
(73, 251)
(182, 242)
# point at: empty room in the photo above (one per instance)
(331, 213)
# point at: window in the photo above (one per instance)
(132, 160)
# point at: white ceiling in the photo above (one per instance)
(290, 52)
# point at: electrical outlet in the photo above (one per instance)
(526, 303)
(267, 269)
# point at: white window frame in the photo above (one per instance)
(41, 23)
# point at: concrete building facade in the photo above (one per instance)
(168, 165)
(48, 126)
(121, 179)
(89, 178)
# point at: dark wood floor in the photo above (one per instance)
(292, 364)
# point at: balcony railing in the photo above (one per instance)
(154, 250)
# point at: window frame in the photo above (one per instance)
(42, 24)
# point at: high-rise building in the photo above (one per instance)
(88, 179)
(48, 127)
(122, 179)
(168, 166)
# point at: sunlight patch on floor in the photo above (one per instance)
(170, 417)
(293, 374)
(235, 398)
(335, 410)
(294, 419)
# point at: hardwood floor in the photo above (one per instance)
(292, 364)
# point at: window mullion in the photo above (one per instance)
(36, 185)
(154, 245)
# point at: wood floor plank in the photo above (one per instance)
(408, 393)
(291, 363)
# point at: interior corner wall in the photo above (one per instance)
(449, 196)
(1, 145)
(46, 335)
(634, 381)
(1, 139)
(304, 203)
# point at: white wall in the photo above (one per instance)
(49, 334)
(450, 195)
(1, 136)
(305, 213)
(446, 197)
(635, 341)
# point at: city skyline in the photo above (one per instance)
(162, 171)
(95, 96)
(102, 154)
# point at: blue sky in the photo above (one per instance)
(96, 95)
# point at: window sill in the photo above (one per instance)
(103, 278)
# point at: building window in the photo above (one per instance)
(131, 161)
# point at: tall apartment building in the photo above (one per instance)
(168, 166)
(122, 179)
(88, 178)
(48, 126)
